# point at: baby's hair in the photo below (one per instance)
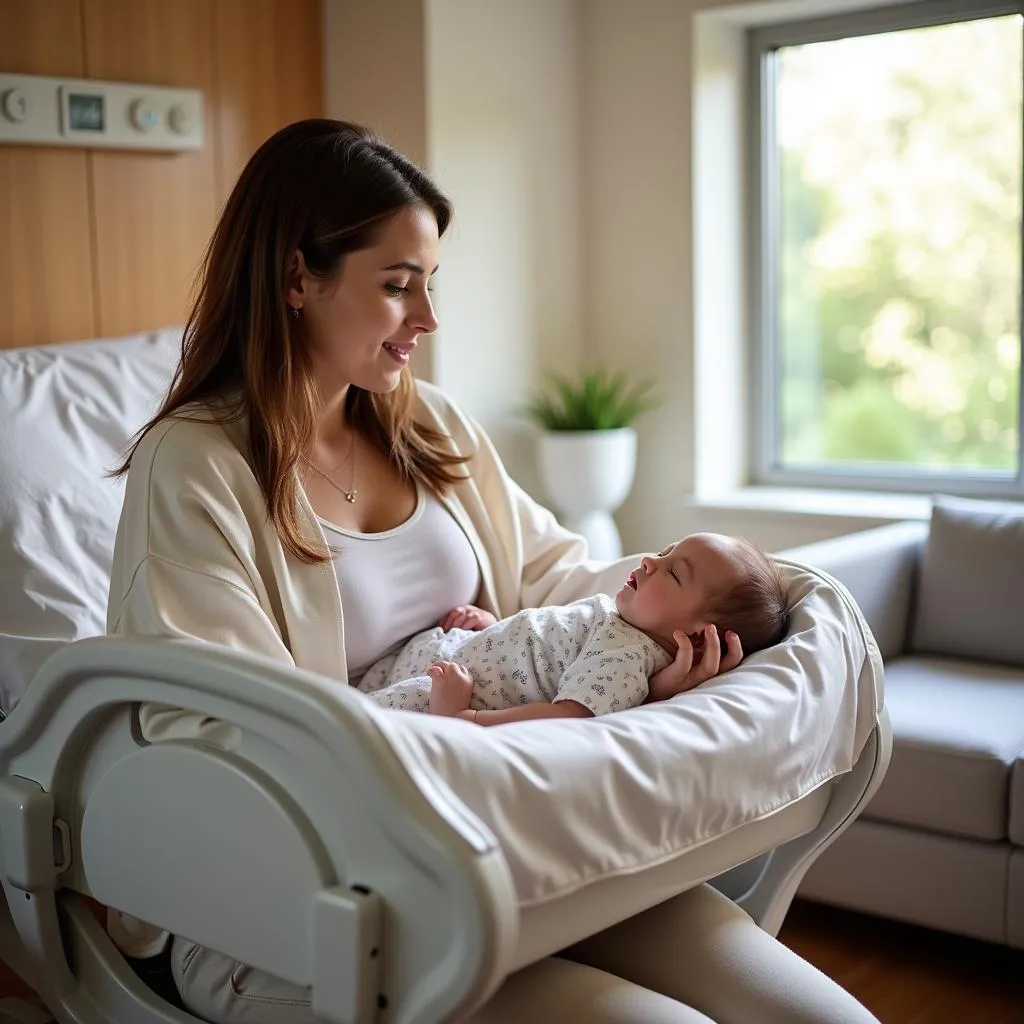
(757, 607)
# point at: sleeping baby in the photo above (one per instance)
(596, 655)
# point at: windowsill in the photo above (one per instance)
(819, 502)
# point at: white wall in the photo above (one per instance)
(577, 138)
(375, 69)
(639, 298)
(360, 39)
(503, 141)
(665, 239)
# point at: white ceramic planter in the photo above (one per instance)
(587, 475)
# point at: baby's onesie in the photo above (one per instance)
(584, 651)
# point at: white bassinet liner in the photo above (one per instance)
(578, 805)
(554, 924)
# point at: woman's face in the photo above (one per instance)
(362, 325)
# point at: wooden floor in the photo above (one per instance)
(908, 975)
(904, 975)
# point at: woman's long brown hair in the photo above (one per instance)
(324, 188)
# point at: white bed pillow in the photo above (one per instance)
(66, 412)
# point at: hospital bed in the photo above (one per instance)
(401, 865)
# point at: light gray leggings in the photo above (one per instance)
(696, 959)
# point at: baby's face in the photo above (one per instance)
(671, 590)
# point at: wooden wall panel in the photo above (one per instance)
(43, 38)
(258, 96)
(103, 242)
(153, 213)
(46, 283)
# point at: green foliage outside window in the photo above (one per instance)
(899, 261)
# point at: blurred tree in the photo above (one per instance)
(899, 264)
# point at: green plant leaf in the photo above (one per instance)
(597, 400)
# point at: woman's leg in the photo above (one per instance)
(701, 949)
(571, 993)
(223, 991)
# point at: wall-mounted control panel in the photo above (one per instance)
(40, 111)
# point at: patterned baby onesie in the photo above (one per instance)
(584, 651)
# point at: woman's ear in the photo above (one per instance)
(298, 275)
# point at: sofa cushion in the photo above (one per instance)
(1017, 803)
(954, 884)
(958, 727)
(1015, 901)
(971, 588)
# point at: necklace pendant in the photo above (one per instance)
(350, 496)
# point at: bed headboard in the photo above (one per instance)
(100, 243)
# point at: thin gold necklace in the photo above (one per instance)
(351, 449)
(350, 494)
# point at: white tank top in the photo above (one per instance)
(402, 581)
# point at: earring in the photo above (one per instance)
(293, 312)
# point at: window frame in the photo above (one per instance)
(763, 271)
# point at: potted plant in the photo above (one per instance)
(586, 450)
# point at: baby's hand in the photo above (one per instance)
(467, 616)
(451, 687)
(684, 675)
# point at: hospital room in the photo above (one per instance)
(385, 384)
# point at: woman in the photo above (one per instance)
(293, 423)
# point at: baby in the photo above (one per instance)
(704, 598)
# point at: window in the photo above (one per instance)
(887, 224)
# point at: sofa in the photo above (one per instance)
(941, 844)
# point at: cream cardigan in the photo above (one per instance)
(197, 557)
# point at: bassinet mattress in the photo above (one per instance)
(612, 811)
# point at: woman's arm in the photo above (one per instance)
(527, 712)
(187, 561)
(691, 667)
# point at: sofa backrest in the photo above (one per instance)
(880, 569)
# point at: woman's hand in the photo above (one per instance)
(688, 671)
(467, 616)
(451, 687)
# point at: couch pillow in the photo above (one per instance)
(970, 597)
